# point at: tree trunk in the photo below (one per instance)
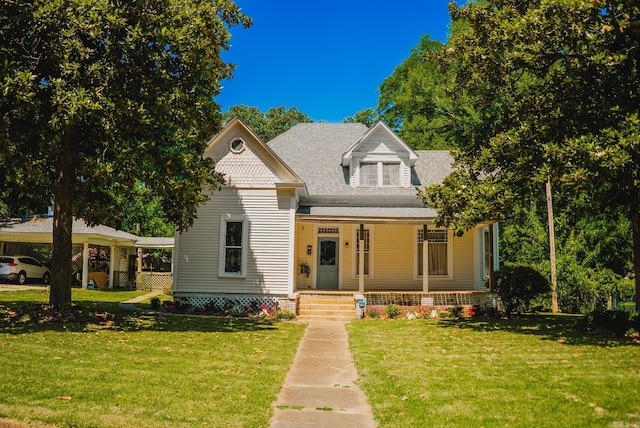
(635, 221)
(64, 194)
(552, 249)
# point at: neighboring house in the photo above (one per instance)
(108, 257)
(331, 208)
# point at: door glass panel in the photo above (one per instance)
(327, 253)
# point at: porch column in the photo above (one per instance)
(139, 260)
(490, 272)
(361, 260)
(425, 260)
(112, 262)
(85, 264)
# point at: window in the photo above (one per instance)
(390, 174)
(367, 241)
(377, 174)
(485, 238)
(233, 242)
(368, 174)
(438, 257)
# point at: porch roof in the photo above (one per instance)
(414, 215)
(43, 225)
(154, 242)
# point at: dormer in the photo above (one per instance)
(379, 159)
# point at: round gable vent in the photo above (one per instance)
(237, 145)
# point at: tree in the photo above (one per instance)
(367, 116)
(416, 102)
(271, 123)
(99, 96)
(557, 86)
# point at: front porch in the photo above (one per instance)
(408, 256)
(346, 305)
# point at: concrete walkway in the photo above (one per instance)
(129, 305)
(320, 389)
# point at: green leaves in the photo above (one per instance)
(129, 85)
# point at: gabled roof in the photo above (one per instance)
(375, 128)
(314, 151)
(264, 167)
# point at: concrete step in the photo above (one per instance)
(325, 317)
(326, 301)
(326, 306)
(339, 305)
(328, 311)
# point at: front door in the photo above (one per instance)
(327, 278)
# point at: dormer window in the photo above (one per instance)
(378, 174)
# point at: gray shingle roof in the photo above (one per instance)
(44, 225)
(314, 151)
(345, 213)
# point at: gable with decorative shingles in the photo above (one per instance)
(245, 169)
(245, 160)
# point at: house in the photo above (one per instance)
(327, 208)
(106, 256)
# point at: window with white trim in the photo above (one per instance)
(368, 174)
(379, 174)
(367, 236)
(438, 257)
(233, 246)
(390, 174)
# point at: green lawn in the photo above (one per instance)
(105, 368)
(533, 371)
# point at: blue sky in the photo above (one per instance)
(325, 57)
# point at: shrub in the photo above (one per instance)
(155, 303)
(392, 311)
(284, 315)
(517, 285)
(373, 313)
(615, 322)
(453, 312)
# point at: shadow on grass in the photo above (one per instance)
(22, 317)
(559, 328)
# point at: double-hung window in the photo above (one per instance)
(233, 247)
(438, 257)
(368, 174)
(378, 174)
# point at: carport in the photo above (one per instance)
(98, 251)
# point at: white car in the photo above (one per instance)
(22, 269)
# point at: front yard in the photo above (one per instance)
(106, 369)
(533, 371)
(101, 367)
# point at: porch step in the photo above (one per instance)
(327, 307)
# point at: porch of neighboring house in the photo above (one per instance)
(149, 267)
(102, 257)
(336, 280)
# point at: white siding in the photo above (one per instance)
(268, 219)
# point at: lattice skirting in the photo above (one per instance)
(153, 281)
(273, 302)
(482, 299)
(143, 281)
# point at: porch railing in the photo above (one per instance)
(444, 298)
